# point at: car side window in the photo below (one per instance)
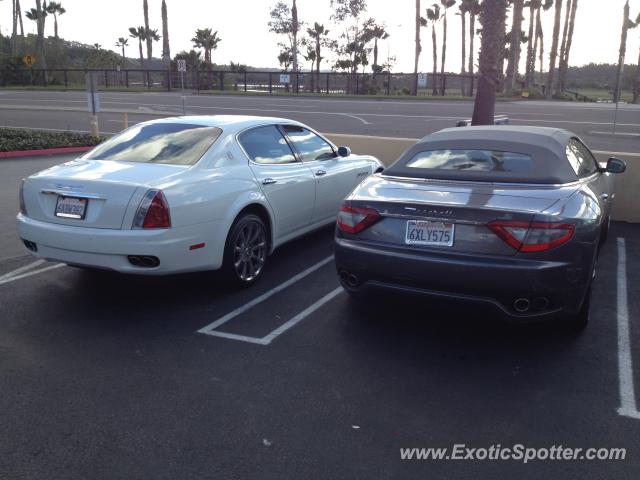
(581, 159)
(310, 146)
(266, 145)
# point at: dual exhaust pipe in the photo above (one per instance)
(144, 261)
(524, 305)
(350, 279)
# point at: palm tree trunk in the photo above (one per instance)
(123, 57)
(514, 49)
(463, 17)
(19, 10)
(564, 62)
(141, 55)
(540, 41)
(528, 79)
(294, 31)
(553, 55)
(55, 25)
(40, 49)
(622, 52)
(444, 54)
(145, 9)
(418, 49)
(318, 58)
(14, 31)
(472, 34)
(636, 83)
(166, 52)
(435, 58)
(493, 18)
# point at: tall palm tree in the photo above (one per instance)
(141, 34)
(38, 15)
(474, 10)
(564, 55)
(533, 6)
(492, 18)
(311, 56)
(166, 53)
(151, 35)
(514, 48)
(122, 42)
(464, 9)
(553, 55)
(295, 26)
(418, 47)
(145, 11)
(433, 15)
(378, 32)
(55, 9)
(17, 20)
(318, 34)
(446, 4)
(626, 24)
(207, 41)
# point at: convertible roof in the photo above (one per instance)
(546, 146)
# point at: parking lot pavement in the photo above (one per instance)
(108, 376)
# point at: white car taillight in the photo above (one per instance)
(532, 236)
(23, 207)
(355, 219)
(153, 211)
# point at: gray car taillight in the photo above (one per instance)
(143, 208)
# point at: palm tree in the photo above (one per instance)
(318, 33)
(378, 32)
(566, 46)
(446, 4)
(207, 41)
(626, 24)
(122, 42)
(514, 48)
(492, 18)
(418, 48)
(534, 6)
(17, 20)
(311, 56)
(464, 8)
(166, 53)
(38, 15)
(295, 26)
(636, 82)
(474, 10)
(145, 10)
(141, 34)
(554, 50)
(433, 15)
(151, 36)
(55, 9)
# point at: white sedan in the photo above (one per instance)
(189, 193)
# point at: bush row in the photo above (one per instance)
(20, 139)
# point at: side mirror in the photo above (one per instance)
(344, 151)
(615, 165)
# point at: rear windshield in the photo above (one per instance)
(475, 160)
(173, 143)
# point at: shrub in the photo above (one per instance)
(21, 139)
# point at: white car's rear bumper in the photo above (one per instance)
(110, 248)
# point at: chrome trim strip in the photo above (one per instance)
(72, 193)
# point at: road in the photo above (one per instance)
(106, 376)
(392, 118)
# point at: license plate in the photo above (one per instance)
(71, 207)
(421, 232)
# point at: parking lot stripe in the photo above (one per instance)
(301, 316)
(222, 320)
(29, 274)
(24, 268)
(628, 406)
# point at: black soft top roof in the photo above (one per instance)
(546, 146)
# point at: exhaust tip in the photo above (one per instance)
(29, 245)
(521, 305)
(351, 279)
(144, 261)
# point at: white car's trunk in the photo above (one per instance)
(107, 187)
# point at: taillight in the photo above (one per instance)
(355, 219)
(23, 208)
(153, 211)
(532, 236)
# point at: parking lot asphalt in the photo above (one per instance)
(110, 376)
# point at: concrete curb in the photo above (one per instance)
(47, 151)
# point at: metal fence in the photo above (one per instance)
(272, 82)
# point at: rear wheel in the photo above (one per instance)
(245, 252)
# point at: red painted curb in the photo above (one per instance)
(47, 151)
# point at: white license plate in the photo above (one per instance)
(71, 207)
(420, 232)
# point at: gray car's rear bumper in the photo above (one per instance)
(498, 281)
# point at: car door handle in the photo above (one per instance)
(604, 197)
(320, 173)
(268, 181)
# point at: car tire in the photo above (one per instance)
(246, 250)
(605, 231)
(579, 321)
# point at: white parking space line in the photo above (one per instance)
(31, 273)
(18, 271)
(208, 329)
(628, 405)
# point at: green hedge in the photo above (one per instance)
(18, 139)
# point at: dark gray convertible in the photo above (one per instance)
(509, 216)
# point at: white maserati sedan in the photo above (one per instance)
(189, 193)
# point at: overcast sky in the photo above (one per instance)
(242, 25)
